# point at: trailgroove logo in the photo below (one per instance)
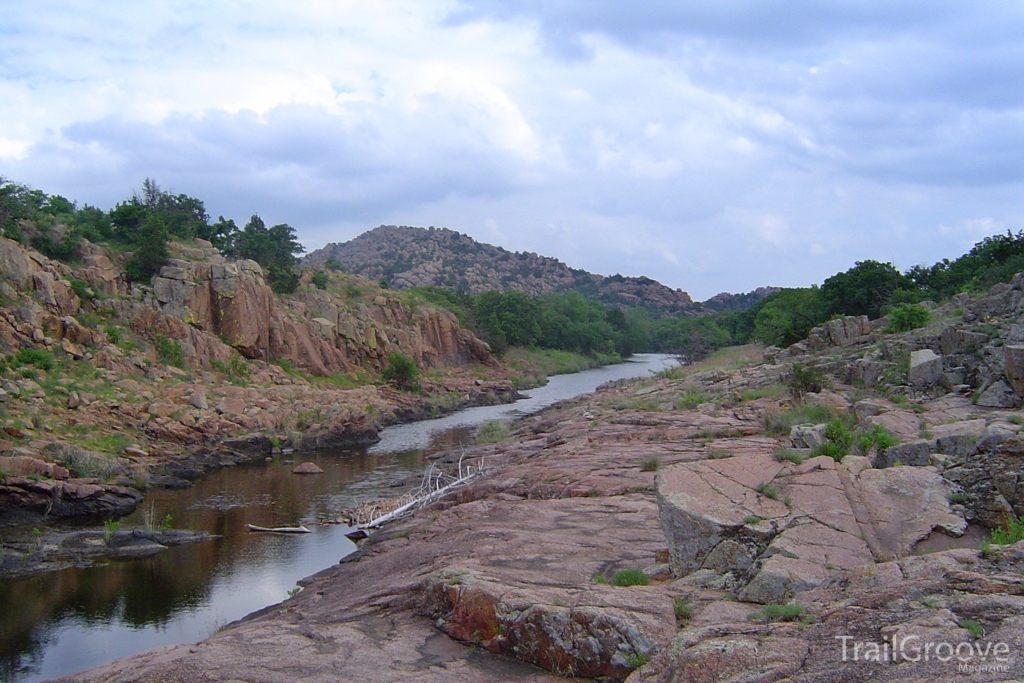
(970, 657)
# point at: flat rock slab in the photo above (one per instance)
(703, 503)
(904, 505)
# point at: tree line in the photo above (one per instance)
(146, 221)
(144, 224)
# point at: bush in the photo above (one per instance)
(906, 317)
(492, 431)
(630, 577)
(401, 371)
(838, 440)
(767, 490)
(168, 351)
(649, 464)
(319, 279)
(1013, 533)
(878, 436)
(83, 463)
(770, 613)
(333, 264)
(805, 380)
(38, 358)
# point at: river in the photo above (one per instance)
(63, 622)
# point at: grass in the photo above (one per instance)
(683, 610)
(84, 463)
(729, 358)
(789, 455)
(649, 464)
(531, 366)
(623, 578)
(767, 490)
(1015, 419)
(692, 399)
(771, 613)
(976, 630)
(637, 659)
(957, 498)
(1013, 533)
(779, 424)
(763, 392)
(751, 519)
(493, 431)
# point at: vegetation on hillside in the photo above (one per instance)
(566, 321)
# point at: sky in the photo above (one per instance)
(713, 146)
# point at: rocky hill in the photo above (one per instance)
(726, 302)
(416, 257)
(143, 384)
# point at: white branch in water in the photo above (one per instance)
(436, 485)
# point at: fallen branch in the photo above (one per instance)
(280, 529)
(435, 486)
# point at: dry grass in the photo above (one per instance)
(729, 358)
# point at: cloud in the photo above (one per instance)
(714, 146)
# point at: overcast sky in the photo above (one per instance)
(711, 145)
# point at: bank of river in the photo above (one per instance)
(67, 621)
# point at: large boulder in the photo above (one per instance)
(925, 367)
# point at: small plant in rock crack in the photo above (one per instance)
(974, 628)
(683, 610)
(767, 490)
(637, 659)
(649, 464)
(770, 613)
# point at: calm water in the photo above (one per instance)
(63, 622)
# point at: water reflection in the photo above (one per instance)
(67, 621)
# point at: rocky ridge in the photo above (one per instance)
(689, 479)
(205, 367)
(418, 257)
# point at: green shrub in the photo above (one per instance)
(878, 436)
(805, 380)
(649, 464)
(168, 351)
(82, 289)
(1013, 533)
(38, 358)
(973, 627)
(401, 371)
(333, 264)
(838, 440)
(692, 399)
(752, 519)
(789, 455)
(492, 431)
(769, 613)
(151, 253)
(635, 660)
(319, 279)
(630, 577)
(957, 498)
(906, 317)
(767, 490)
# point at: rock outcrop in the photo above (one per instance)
(418, 257)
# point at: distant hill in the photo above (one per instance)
(725, 302)
(439, 257)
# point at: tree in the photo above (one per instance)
(151, 254)
(863, 289)
(401, 371)
(273, 248)
(787, 316)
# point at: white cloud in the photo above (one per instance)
(712, 146)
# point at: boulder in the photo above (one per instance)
(307, 468)
(925, 368)
(807, 436)
(1014, 364)
(998, 395)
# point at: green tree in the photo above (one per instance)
(787, 316)
(401, 371)
(863, 289)
(274, 248)
(151, 253)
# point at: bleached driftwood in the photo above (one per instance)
(435, 486)
(280, 529)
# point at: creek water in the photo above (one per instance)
(62, 622)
